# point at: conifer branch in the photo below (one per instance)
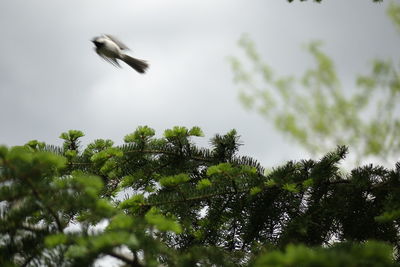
(193, 198)
(28, 260)
(132, 262)
(53, 214)
(151, 151)
(170, 153)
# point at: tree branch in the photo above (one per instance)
(37, 195)
(132, 262)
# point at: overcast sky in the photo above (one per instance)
(51, 80)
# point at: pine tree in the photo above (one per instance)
(165, 201)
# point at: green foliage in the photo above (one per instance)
(388, 216)
(315, 111)
(164, 201)
(290, 187)
(141, 136)
(308, 182)
(255, 190)
(346, 254)
(35, 145)
(154, 217)
(174, 180)
(222, 168)
(394, 13)
(121, 221)
(225, 146)
(319, 1)
(133, 202)
(203, 183)
(71, 139)
(270, 183)
(97, 146)
(181, 134)
(196, 131)
(55, 240)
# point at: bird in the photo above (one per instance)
(111, 49)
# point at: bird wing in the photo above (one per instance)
(113, 61)
(121, 45)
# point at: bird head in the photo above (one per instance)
(98, 41)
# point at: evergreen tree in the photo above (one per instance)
(166, 202)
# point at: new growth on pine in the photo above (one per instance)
(164, 201)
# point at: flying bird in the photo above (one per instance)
(112, 50)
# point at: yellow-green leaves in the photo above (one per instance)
(174, 180)
(133, 203)
(179, 132)
(90, 184)
(255, 190)
(196, 131)
(71, 139)
(308, 183)
(99, 243)
(35, 145)
(107, 160)
(288, 122)
(142, 135)
(22, 161)
(270, 183)
(180, 136)
(394, 13)
(388, 216)
(227, 170)
(55, 240)
(120, 222)
(290, 187)
(190, 206)
(96, 146)
(370, 253)
(106, 154)
(112, 239)
(161, 222)
(324, 73)
(221, 168)
(316, 112)
(77, 251)
(176, 132)
(72, 135)
(203, 183)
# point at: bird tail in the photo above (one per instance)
(137, 64)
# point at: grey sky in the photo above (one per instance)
(51, 80)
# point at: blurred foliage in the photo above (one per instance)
(166, 202)
(315, 111)
(345, 254)
(319, 1)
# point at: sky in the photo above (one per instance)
(51, 80)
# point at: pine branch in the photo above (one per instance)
(37, 195)
(170, 153)
(28, 260)
(193, 198)
(33, 228)
(132, 262)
